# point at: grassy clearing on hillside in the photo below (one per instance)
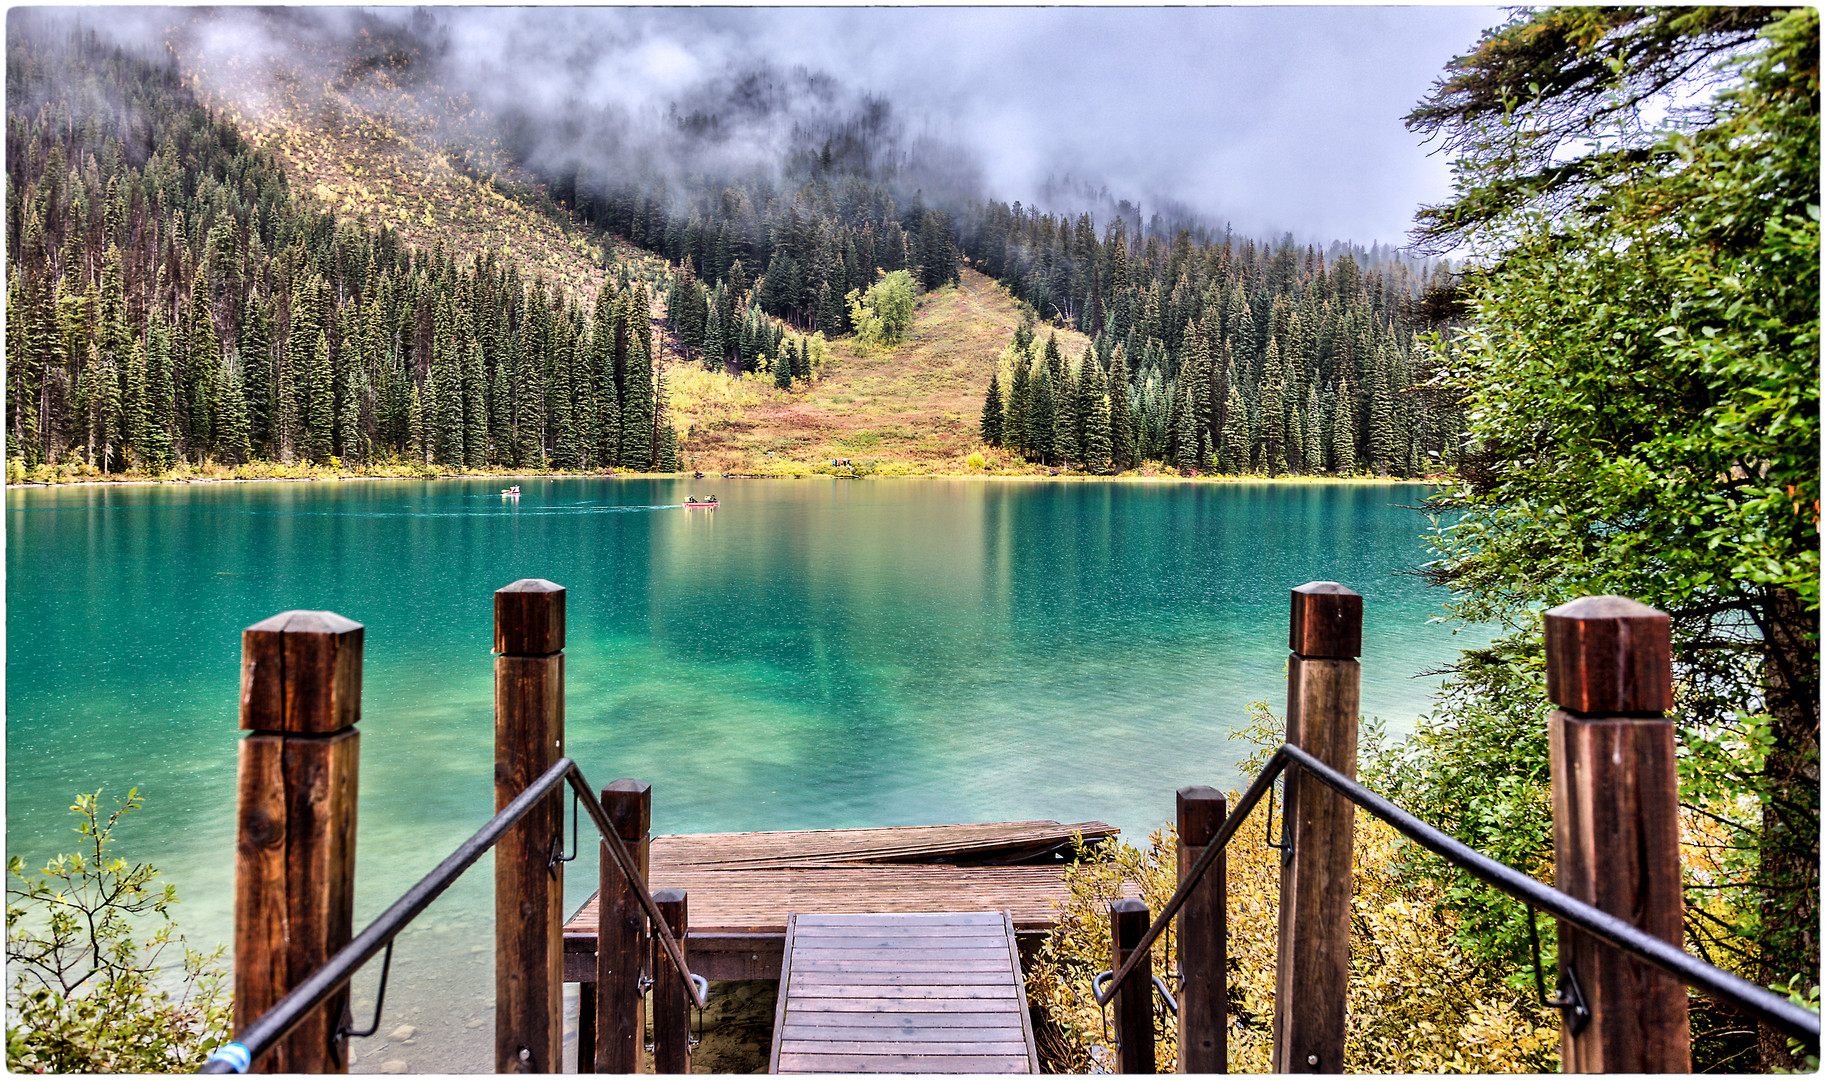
(917, 407)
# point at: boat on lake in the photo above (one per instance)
(511, 493)
(708, 502)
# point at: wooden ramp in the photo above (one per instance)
(930, 992)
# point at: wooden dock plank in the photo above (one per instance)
(911, 1005)
(742, 885)
(901, 1063)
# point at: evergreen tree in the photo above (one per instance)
(1384, 439)
(1235, 454)
(475, 410)
(1068, 422)
(1123, 455)
(154, 444)
(1272, 408)
(637, 409)
(1020, 396)
(783, 366)
(315, 445)
(233, 441)
(665, 437)
(1097, 452)
(1042, 419)
(992, 411)
(1185, 433)
(1344, 433)
(1314, 449)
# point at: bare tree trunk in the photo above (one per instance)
(1790, 858)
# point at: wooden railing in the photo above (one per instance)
(1623, 974)
(1616, 834)
(294, 872)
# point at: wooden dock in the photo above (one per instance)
(744, 886)
(935, 992)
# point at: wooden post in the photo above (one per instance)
(1134, 1000)
(529, 887)
(1616, 827)
(295, 797)
(1312, 970)
(671, 1002)
(1203, 938)
(621, 930)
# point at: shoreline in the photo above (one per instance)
(1126, 478)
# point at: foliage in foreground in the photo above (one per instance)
(1417, 1002)
(1641, 377)
(85, 935)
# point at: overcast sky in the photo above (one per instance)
(1274, 118)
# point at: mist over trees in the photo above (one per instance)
(169, 298)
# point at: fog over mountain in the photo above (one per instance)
(1269, 118)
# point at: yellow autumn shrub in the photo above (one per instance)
(1416, 1002)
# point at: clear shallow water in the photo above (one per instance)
(812, 654)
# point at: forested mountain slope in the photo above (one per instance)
(319, 258)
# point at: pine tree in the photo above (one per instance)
(1174, 452)
(1272, 409)
(233, 441)
(475, 410)
(156, 449)
(665, 436)
(1020, 395)
(315, 445)
(637, 409)
(348, 418)
(1344, 433)
(783, 367)
(1067, 421)
(1235, 454)
(421, 427)
(1123, 454)
(1313, 452)
(256, 355)
(1185, 433)
(1097, 442)
(992, 411)
(1384, 439)
(1042, 419)
(714, 347)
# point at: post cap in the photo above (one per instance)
(629, 805)
(301, 673)
(1201, 811)
(1609, 654)
(529, 618)
(1327, 621)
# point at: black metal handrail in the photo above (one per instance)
(1732, 990)
(274, 1024)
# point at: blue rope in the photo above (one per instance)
(234, 1054)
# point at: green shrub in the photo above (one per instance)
(85, 936)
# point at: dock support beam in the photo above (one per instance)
(1312, 970)
(295, 801)
(621, 1011)
(529, 884)
(1204, 997)
(1134, 999)
(1616, 828)
(671, 1004)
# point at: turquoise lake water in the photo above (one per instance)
(812, 654)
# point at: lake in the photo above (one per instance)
(811, 654)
